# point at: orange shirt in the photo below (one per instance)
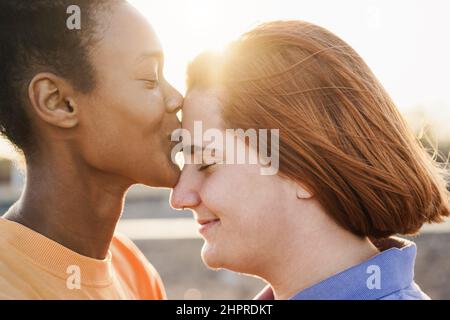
(35, 267)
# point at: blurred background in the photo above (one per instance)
(404, 42)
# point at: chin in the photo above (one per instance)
(171, 174)
(171, 177)
(210, 259)
(214, 259)
(164, 177)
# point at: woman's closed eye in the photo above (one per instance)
(151, 83)
(205, 166)
(210, 158)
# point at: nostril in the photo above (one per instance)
(177, 206)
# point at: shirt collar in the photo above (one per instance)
(394, 267)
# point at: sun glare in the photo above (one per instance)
(401, 41)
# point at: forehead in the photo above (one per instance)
(128, 37)
(202, 105)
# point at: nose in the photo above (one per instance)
(173, 99)
(184, 195)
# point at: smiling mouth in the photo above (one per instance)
(207, 224)
(202, 222)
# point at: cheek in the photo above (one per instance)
(144, 111)
(245, 201)
(222, 193)
(121, 121)
(252, 217)
(131, 105)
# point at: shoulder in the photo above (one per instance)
(16, 289)
(131, 264)
(15, 275)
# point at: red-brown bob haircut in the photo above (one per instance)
(341, 135)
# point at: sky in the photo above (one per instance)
(406, 43)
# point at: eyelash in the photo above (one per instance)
(152, 84)
(204, 167)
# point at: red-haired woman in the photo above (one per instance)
(351, 175)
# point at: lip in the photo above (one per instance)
(206, 225)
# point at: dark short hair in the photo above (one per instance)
(34, 38)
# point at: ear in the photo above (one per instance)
(50, 98)
(303, 192)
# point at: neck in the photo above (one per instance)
(325, 256)
(72, 204)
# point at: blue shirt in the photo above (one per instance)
(387, 276)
